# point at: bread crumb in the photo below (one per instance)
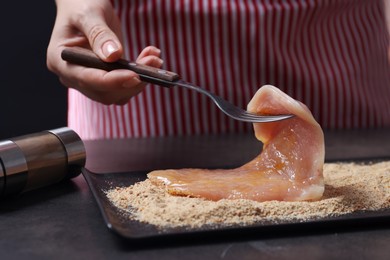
(349, 187)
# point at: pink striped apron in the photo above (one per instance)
(331, 55)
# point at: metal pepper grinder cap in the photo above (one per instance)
(36, 160)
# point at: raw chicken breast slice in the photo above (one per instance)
(289, 168)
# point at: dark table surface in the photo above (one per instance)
(63, 221)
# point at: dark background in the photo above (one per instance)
(31, 97)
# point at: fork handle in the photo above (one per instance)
(87, 58)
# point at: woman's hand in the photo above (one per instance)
(93, 24)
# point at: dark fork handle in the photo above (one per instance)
(87, 58)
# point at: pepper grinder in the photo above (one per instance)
(40, 159)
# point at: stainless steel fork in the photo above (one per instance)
(163, 78)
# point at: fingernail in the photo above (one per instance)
(160, 61)
(132, 82)
(158, 50)
(109, 48)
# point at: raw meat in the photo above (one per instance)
(289, 168)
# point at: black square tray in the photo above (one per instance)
(126, 228)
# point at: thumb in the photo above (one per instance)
(103, 41)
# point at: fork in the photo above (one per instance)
(87, 58)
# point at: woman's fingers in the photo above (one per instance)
(101, 38)
(101, 86)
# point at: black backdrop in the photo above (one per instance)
(31, 97)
